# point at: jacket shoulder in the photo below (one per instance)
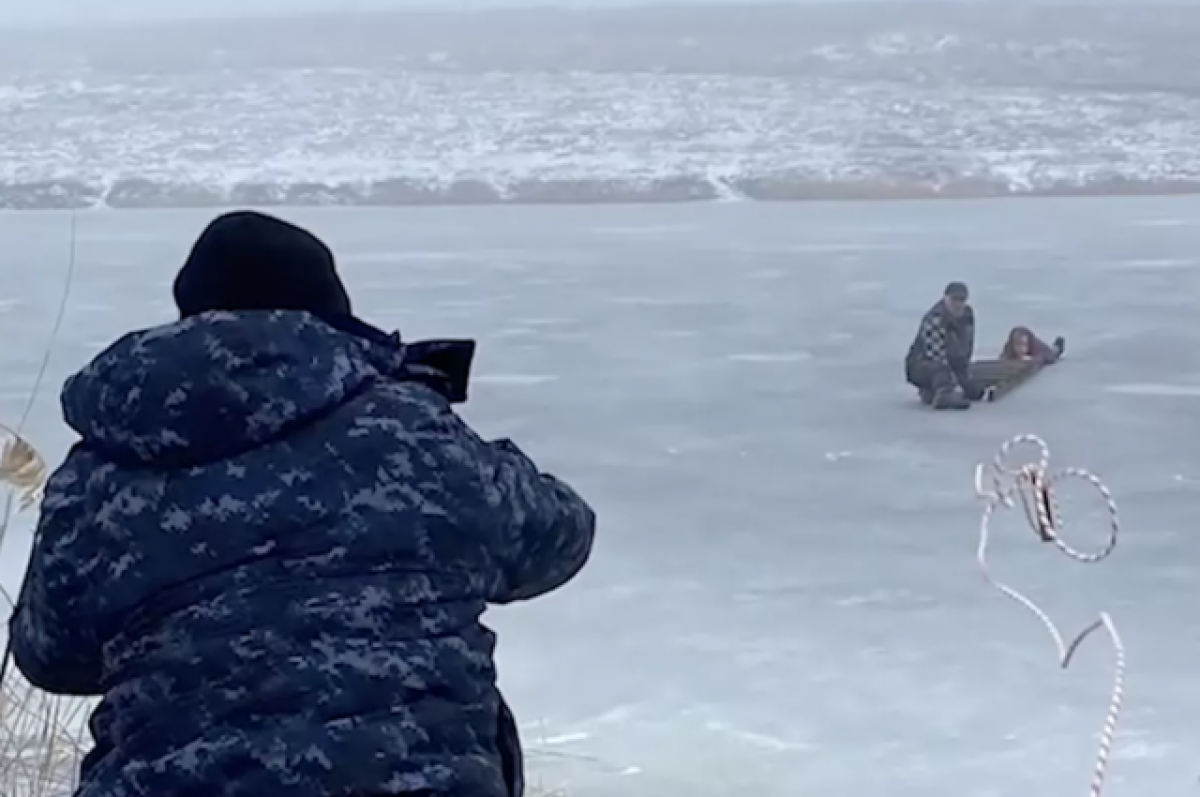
(933, 315)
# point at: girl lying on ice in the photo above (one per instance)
(1022, 344)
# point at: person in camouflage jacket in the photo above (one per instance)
(272, 547)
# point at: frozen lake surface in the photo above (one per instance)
(783, 599)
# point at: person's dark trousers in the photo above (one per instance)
(934, 379)
(972, 390)
(929, 378)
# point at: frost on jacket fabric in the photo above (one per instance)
(270, 553)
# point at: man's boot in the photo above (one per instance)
(950, 398)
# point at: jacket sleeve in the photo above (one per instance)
(1042, 350)
(539, 530)
(546, 529)
(54, 644)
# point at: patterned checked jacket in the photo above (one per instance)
(270, 553)
(944, 341)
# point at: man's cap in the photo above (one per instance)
(251, 261)
(957, 290)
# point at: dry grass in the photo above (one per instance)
(535, 776)
(42, 737)
(22, 471)
(42, 740)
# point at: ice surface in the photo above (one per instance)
(783, 599)
(668, 104)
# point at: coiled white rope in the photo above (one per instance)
(1000, 485)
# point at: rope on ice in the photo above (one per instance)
(1033, 484)
(22, 468)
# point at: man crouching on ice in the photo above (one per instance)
(271, 550)
(938, 363)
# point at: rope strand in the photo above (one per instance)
(1033, 485)
(18, 444)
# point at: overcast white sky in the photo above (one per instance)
(90, 11)
(93, 11)
(99, 11)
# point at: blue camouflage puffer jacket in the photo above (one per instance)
(270, 553)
